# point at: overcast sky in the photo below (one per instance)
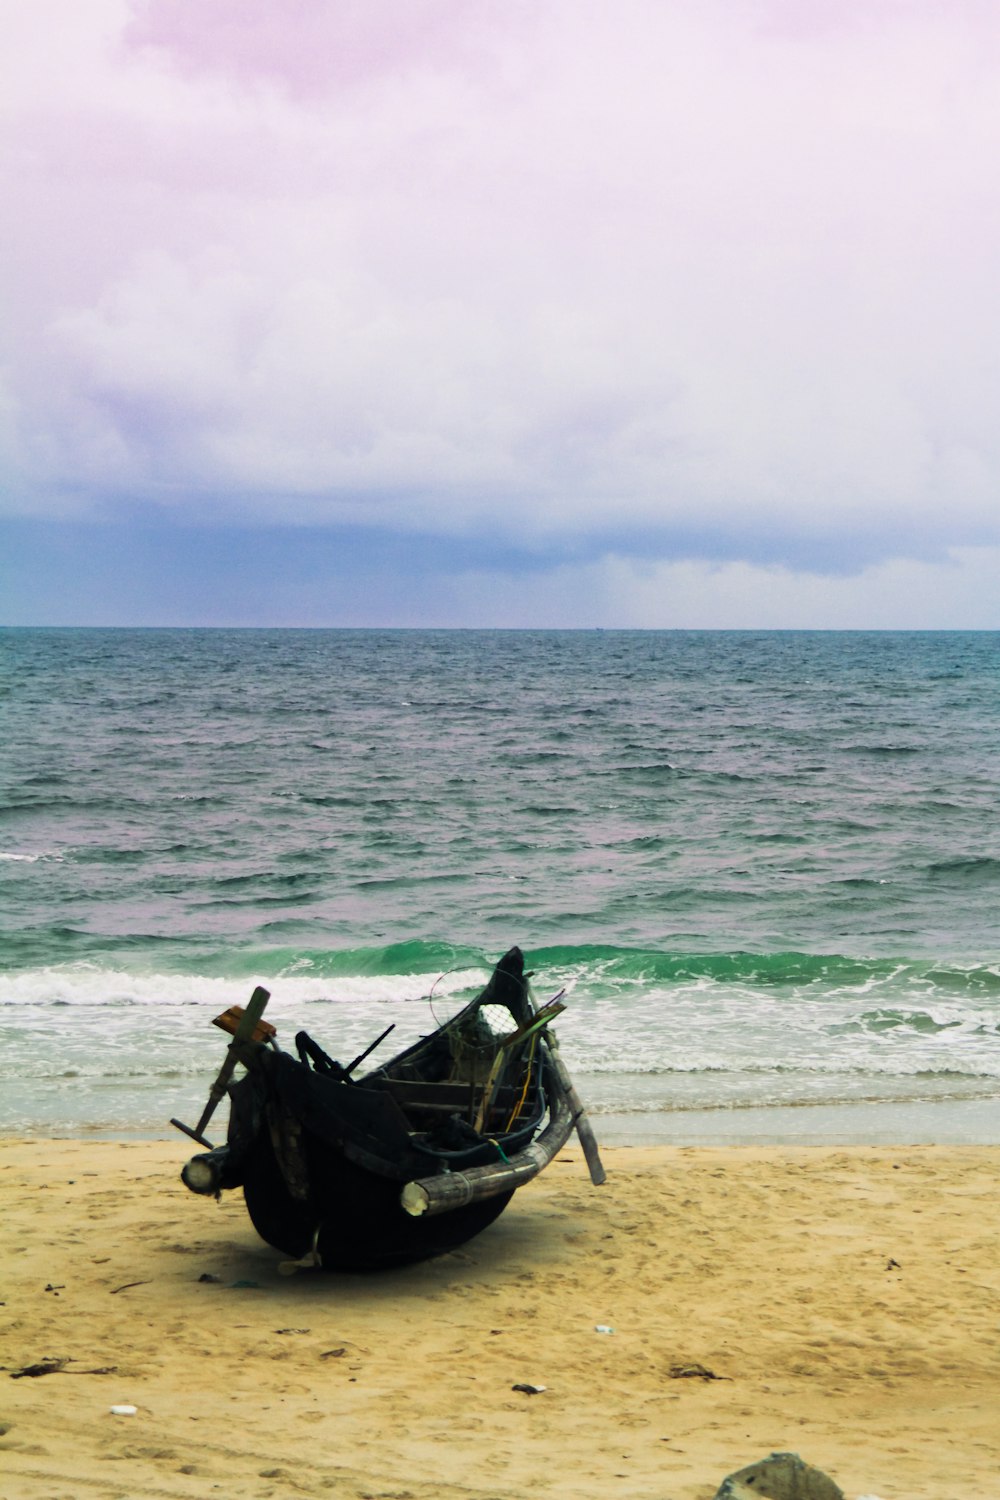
(501, 312)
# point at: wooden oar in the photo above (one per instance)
(584, 1131)
(243, 1033)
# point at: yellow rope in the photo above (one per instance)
(527, 1080)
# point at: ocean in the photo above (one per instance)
(764, 865)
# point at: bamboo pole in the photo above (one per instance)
(436, 1195)
(581, 1121)
(244, 1031)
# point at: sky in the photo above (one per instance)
(540, 313)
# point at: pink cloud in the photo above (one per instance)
(534, 265)
(312, 47)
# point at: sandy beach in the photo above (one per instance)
(839, 1302)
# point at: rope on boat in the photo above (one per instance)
(449, 1190)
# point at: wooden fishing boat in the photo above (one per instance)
(409, 1160)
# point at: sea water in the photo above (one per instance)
(765, 867)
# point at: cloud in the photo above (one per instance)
(157, 570)
(709, 283)
(308, 47)
(958, 593)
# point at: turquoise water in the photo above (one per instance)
(765, 865)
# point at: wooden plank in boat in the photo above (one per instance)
(231, 1018)
(415, 1094)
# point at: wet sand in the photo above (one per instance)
(839, 1302)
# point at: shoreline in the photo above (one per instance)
(884, 1122)
(944, 1122)
(834, 1301)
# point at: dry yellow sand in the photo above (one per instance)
(848, 1301)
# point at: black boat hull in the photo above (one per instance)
(362, 1226)
(407, 1162)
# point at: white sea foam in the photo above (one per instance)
(17, 857)
(91, 984)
